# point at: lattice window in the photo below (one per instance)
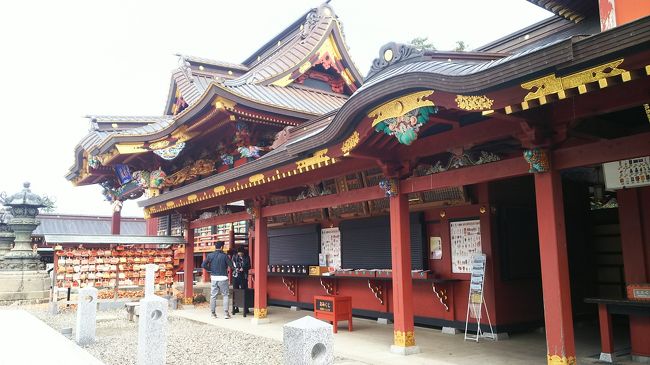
(163, 226)
(176, 225)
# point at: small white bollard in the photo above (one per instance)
(152, 336)
(86, 316)
(308, 341)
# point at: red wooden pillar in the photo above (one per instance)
(261, 260)
(205, 276)
(400, 242)
(606, 333)
(635, 244)
(188, 265)
(116, 221)
(558, 318)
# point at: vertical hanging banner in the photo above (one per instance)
(123, 173)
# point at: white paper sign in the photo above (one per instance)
(465, 243)
(330, 240)
(435, 248)
(627, 173)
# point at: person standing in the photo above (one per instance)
(217, 263)
(242, 264)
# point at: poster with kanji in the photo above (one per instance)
(330, 240)
(465, 243)
(630, 173)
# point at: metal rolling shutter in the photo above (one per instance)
(294, 245)
(365, 243)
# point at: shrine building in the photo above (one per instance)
(387, 185)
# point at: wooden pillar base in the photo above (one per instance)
(557, 360)
(404, 343)
(260, 316)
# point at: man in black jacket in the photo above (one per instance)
(217, 263)
(240, 275)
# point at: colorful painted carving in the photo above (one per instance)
(157, 178)
(170, 152)
(150, 180)
(474, 102)
(249, 151)
(350, 143)
(142, 178)
(94, 162)
(227, 159)
(462, 160)
(313, 190)
(551, 84)
(202, 167)
(537, 159)
(130, 190)
(406, 127)
(390, 187)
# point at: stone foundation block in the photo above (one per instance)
(308, 341)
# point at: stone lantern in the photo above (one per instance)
(6, 234)
(21, 271)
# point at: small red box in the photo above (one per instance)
(333, 308)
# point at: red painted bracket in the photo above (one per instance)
(377, 288)
(329, 286)
(442, 296)
(291, 284)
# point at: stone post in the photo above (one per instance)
(86, 316)
(152, 336)
(308, 341)
(149, 279)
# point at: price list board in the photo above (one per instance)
(627, 173)
(465, 243)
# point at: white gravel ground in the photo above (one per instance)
(188, 342)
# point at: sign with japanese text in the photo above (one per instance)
(465, 243)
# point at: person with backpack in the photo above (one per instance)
(218, 263)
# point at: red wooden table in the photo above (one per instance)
(334, 308)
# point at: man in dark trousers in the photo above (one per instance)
(217, 263)
(242, 264)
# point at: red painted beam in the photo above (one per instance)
(611, 99)
(602, 151)
(213, 221)
(474, 134)
(346, 197)
(467, 176)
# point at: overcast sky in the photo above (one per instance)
(62, 60)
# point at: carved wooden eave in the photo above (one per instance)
(298, 50)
